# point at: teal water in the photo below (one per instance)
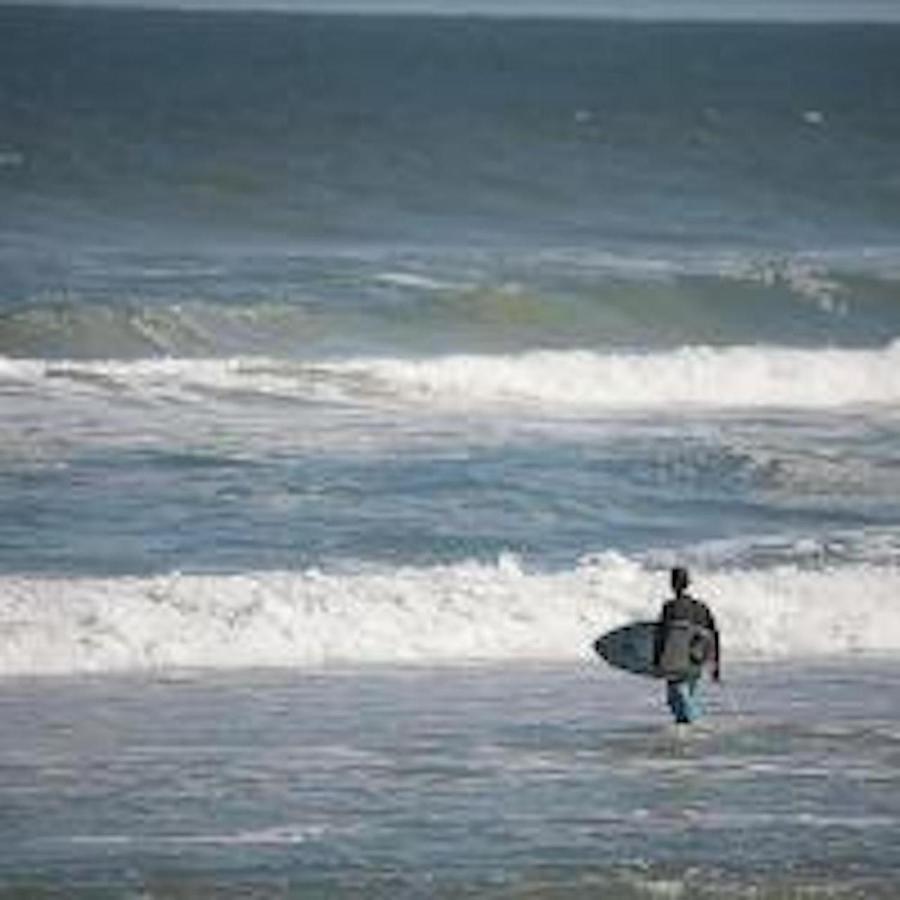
(395, 300)
(335, 345)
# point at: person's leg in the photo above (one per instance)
(682, 700)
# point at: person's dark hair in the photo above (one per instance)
(680, 579)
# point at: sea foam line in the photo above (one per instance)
(577, 380)
(446, 614)
(690, 376)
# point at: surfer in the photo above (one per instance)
(686, 639)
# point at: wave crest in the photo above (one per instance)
(690, 376)
(573, 381)
(445, 614)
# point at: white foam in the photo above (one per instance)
(414, 281)
(277, 837)
(742, 377)
(806, 278)
(430, 615)
(574, 380)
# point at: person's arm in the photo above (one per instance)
(717, 647)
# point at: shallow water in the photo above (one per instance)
(523, 781)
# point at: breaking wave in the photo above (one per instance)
(448, 614)
(691, 376)
(576, 380)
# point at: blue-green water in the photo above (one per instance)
(290, 291)
(392, 301)
(348, 341)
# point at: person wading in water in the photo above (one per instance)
(687, 638)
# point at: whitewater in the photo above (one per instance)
(357, 372)
(789, 595)
(450, 615)
(691, 377)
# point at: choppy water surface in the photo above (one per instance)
(518, 782)
(369, 342)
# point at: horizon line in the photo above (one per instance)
(492, 11)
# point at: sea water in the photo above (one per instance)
(347, 348)
(480, 781)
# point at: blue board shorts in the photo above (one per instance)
(683, 701)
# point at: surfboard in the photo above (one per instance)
(630, 648)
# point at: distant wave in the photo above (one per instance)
(84, 330)
(158, 306)
(435, 615)
(576, 381)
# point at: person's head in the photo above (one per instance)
(680, 580)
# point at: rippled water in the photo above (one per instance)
(521, 782)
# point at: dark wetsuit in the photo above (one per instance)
(680, 690)
(684, 608)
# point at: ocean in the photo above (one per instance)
(356, 372)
